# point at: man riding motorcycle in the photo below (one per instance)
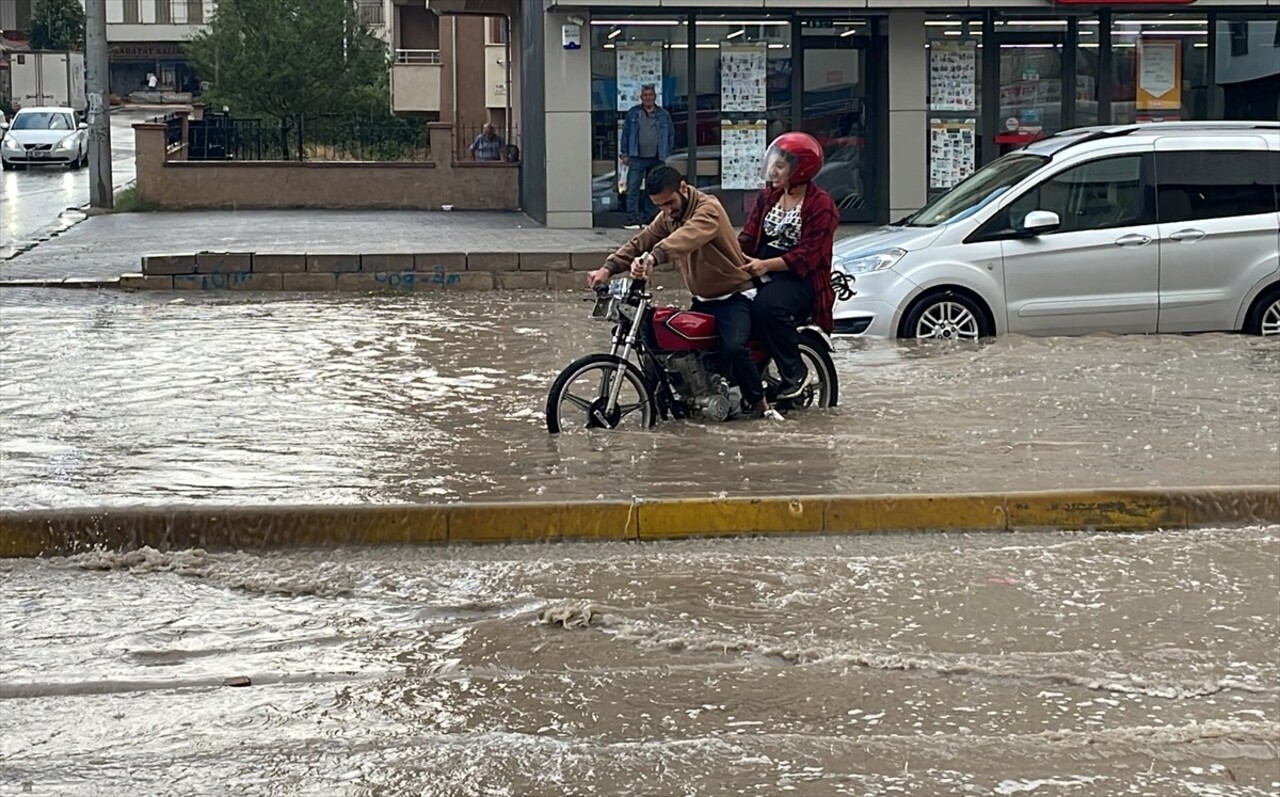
(693, 230)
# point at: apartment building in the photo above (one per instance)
(453, 68)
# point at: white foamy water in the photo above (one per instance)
(1065, 664)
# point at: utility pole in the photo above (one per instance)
(101, 189)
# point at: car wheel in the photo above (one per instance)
(946, 316)
(6, 166)
(1264, 319)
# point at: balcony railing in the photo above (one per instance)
(429, 57)
(371, 13)
(415, 81)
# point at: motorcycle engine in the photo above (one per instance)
(705, 390)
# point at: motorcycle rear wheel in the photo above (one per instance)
(590, 410)
(824, 390)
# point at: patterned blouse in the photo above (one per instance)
(782, 227)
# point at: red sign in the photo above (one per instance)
(1124, 2)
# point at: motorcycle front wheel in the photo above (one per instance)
(580, 394)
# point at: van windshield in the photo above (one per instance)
(974, 193)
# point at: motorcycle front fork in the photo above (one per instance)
(622, 350)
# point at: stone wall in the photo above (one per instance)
(364, 273)
(167, 179)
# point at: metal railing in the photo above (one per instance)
(465, 137)
(371, 13)
(418, 57)
(172, 128)
(325, 138)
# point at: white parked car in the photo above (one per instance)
(1166, 227)
(44, 136)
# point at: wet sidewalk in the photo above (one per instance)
(104, 247)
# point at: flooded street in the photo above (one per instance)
(1045, 664)
(1063, 664)
(110, 398)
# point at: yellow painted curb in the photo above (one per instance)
(66, 531)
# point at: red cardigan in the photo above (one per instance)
(811, 257)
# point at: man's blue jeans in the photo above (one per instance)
(640, 209)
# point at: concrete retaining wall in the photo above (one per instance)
(61, 532)
(167, 179)
(403, 273)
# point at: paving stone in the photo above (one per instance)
(279, 263)
(223, 262)
(308, 282)
(333, 264)
(165, 265)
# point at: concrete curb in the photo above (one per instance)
(66, 531)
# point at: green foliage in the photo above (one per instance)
(57, 25)
(289, 59)
(131, 201)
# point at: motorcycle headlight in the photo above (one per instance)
(619, 287)
(878, 261)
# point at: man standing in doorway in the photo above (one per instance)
(648, 136)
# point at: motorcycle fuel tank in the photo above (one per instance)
(684, 330)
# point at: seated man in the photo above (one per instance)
(693, 230)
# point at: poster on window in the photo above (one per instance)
(742, 155)
(953, 77)
(1159, 67)
(952, 147)
(744, 72)
(638, 66)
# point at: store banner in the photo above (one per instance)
(743, 77)
(742, 155)
(952, 150)
(953, 77)
(638, 65)
(1159, 74)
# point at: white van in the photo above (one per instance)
(1166, 227)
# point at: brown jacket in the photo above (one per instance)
(702, 243)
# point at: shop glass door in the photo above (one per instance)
(839, 107)
(1032, 102)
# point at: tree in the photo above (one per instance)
(57, 25)
(287, 59)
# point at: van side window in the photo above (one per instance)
(1198, 185)
(1097, 195)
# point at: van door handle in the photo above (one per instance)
(1133, 240)
(1187, 236)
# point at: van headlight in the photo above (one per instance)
(878, 261)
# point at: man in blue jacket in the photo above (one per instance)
(648, 136)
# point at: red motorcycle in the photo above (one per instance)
(664, 363)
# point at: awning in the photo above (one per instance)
(486, 8)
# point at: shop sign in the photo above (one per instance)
(1159, 75)
(148, 50)
(1104, 3)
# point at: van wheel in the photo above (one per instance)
(947, 316)
(1264, 319)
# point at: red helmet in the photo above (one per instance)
(799, 150)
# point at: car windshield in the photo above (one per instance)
(43, 121)
(971, 195)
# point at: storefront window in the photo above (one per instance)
(955, 99)
(839, 108)
(1088, 55)
(743, 91)
(627, 54)
(1247, 68)
(1159, 67)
